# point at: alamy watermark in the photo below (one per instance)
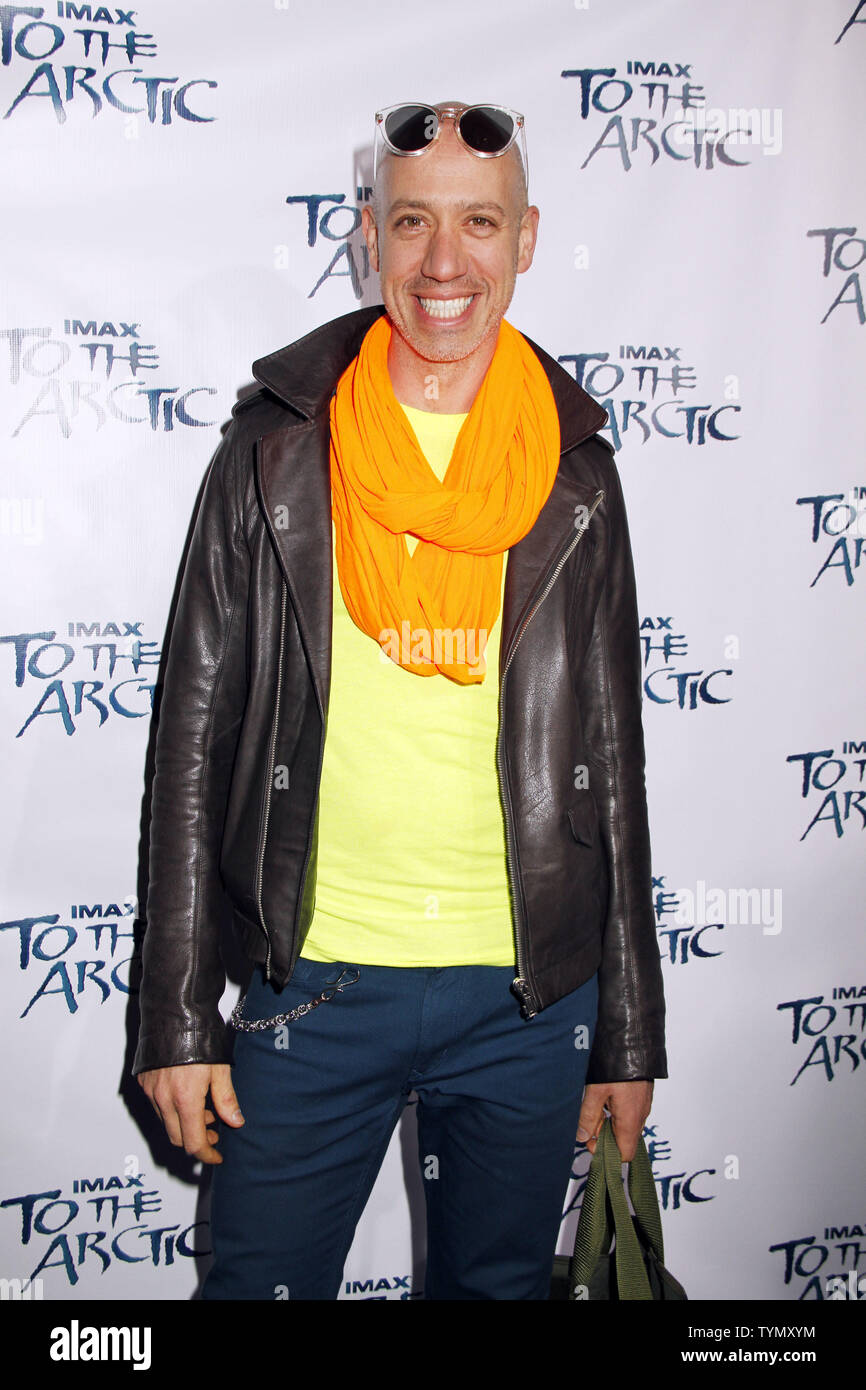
(740, 126)
(449, 646)
(733, 906)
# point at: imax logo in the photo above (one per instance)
(373, 1286)
(105, 629)
(97, 912)
(649, 354)
(93, 15)
(79, 328)
(638, 69)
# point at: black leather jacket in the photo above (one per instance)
(246, 683)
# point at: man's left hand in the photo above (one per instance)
(629, 1103)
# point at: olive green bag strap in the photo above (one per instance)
(644, 1199)
(604, 1192)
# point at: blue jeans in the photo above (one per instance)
(498, 1103)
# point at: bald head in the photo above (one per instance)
(518, 191)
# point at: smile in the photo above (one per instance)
(446, 308)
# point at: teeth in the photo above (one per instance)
(446, 308)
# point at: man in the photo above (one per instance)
(400, 749)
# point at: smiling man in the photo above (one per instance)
(400, 751)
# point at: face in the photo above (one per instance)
(448, 238)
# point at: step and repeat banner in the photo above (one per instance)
(183, 187)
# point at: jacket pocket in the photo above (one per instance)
(583, 819)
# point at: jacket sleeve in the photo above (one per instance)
(199, 717)
(629, 1039)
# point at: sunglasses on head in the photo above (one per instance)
(411, 128)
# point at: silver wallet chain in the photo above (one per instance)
(260, 1025)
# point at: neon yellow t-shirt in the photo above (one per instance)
(411, 850)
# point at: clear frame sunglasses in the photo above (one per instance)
(410, 128)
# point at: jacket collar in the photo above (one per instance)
(304, 375)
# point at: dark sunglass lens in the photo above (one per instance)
(486, 129)
(411, 127)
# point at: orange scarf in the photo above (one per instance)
(433, 610)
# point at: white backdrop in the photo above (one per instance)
(161, 172)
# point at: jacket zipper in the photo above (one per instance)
(266, 808)
(521, 984)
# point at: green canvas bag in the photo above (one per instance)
(635, 1268)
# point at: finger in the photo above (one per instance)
(209, 1154)
(201, 1143)
(192, 1126)
(592, 1108)
(206, 1150)
(626, 1136)
(590, 1120)
(171, 1120)
(155, 1103)
(223, 1098)
(145, 1082)
(588, 1128)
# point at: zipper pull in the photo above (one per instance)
(524, 993)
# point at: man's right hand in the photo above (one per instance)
(178, 1095)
